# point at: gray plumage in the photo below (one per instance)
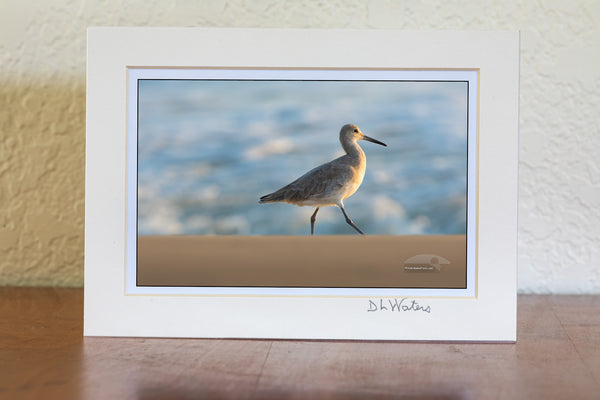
(329, 184)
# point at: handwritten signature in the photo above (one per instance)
(398, 305)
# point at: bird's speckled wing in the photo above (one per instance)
(319, 183)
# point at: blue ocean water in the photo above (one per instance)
(208, 150)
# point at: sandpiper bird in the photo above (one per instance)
(329, 184)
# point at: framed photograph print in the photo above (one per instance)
(301, 184)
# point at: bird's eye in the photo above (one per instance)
(356, 131)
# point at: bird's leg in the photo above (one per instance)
(348, 220)
(312, 221)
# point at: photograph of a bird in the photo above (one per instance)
(330, 183)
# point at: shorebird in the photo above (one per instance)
(329, 184)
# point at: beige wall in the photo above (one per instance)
(42, 118)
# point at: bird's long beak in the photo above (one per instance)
(370, 139)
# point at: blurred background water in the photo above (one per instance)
(209, 149)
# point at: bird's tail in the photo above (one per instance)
(271, 198)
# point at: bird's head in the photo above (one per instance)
(352, 133)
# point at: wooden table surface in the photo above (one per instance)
(44, 356)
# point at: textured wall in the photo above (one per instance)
(42, 118)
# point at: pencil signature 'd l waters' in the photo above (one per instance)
(329, 184)
(395, 305)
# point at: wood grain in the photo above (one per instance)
(43, 355)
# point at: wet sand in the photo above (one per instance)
(298, 261)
